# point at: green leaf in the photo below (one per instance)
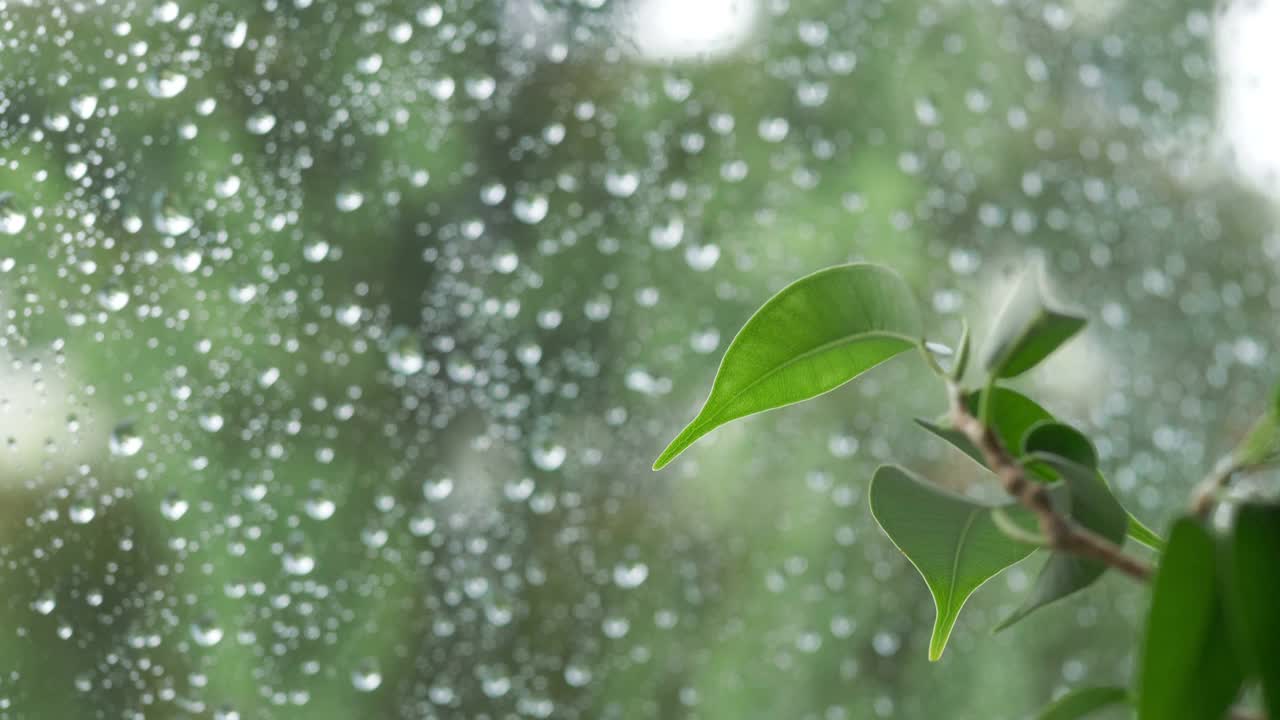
(1012, 414)
(1092, 505)
(1188, 669)
(1060, 439)
(1140, 533)
(812, 337)
(1254, 587)
(1261, 446)
(1083, 701)
(1029, 327)
(952, 541)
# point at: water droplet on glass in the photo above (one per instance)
(165, 83)
(319, 507)
(206, 632)
(84, 105)
(548, 457)
(11, 221)
(630, 576)
(173, 507)
(260, 123)
(81, 513)
(113, 297)
(366, 677)
(45, 603)
(167, 218)
(530, 209)
(349, 199)
(621, 184)
(125, 441)
(404, 352)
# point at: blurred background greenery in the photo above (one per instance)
(339, 337)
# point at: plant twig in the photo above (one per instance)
(1206, 493)
(1239, 713)
(1060, 532)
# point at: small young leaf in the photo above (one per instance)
(1012, 414)
(952, 541)
(1254, 561)
(815, 335)
(1140, 533)
(1059, 439)
(1028, 328)
(1083, 701)
(1261, 446)
(1188, 669)
(1092, 506)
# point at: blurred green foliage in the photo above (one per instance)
(477, 577)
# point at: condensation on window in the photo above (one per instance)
(337, 340)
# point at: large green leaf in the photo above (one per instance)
(1188, 670)
(1012, 415)
(1029, 327)
(815, 335)
(952, 541)
(1254, 589)
(1083, 701)
(1091, 504)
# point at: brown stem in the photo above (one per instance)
(1205, 495)
(1060, 532)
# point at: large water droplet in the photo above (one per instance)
(168, 218)
(548, 457)
(530, 209)
(173, 507)
(84, 105)
(166, 83)
(366, 677)
(206, 632)
(260, 123)
(11, 221)
(404, 351)
(113, 297)
(125, 441)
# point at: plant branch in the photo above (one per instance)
(1060, 532)
(1206, 493)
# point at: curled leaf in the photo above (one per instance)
(1029, 327)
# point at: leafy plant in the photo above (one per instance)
(1212, 627)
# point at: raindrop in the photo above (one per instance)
(167, 218)
(349, 199)
(45, 602)
(11, 221)
(319, 507)
(206, 632)
(530, 209)
(630, 576)
(548, 457)
(113, 297)
(621, 184)
(366, 677)
(84, 105)
(260, 123)
(166, 83)
(81, 513)
(404, 352)
(125, 441)
(173, 507)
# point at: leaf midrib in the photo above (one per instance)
(843, 340)
(955, 560)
